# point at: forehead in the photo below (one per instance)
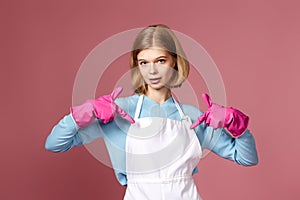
(152, 53)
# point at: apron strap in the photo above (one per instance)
(182, 115)
(138, 107)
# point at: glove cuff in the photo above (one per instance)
(236, 122)
(83, 114)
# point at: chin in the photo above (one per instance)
(157, 86)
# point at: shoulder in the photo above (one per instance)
(128, 103)
(127, 100)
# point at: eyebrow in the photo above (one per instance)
(154, 59)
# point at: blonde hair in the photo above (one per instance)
(160, 36)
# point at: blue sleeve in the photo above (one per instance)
(241, 150)
(66, 134)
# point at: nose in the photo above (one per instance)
(153, 68)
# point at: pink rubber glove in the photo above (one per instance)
(218, 116)
(103, 108)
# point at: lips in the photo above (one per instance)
(154, 80)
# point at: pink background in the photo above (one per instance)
(254, 43)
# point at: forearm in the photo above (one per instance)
(245, 149)
(241, 150)
(63, 136)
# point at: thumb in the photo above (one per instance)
(116, 92)
(207, 99)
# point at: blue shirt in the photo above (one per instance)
(66, 134)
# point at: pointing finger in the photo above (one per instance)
(124, 115)
(199, 120)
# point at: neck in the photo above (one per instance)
(160, 95)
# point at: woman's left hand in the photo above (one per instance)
(219, 116)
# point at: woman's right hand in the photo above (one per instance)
(219, 116)
(103, 108)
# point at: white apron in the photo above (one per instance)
(161, 155)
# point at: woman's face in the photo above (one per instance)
(156, 66)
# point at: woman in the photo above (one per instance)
(153, 145)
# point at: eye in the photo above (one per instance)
(161, 61)
(142, 63)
